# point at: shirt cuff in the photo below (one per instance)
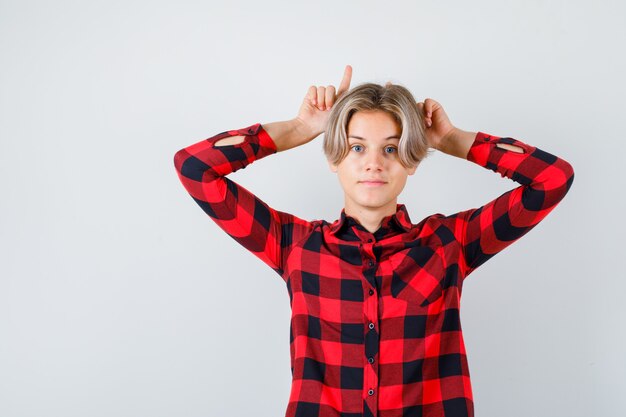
(485, 152)
(264, 138)
(254, 134)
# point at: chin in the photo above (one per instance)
(372, 203)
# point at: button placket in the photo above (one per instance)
(369, 262)
(370, 315)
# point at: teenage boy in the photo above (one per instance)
(375, 299)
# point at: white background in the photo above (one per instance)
(120, 297)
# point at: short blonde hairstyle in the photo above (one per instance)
(393, 99)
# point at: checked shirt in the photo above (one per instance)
(375, 317)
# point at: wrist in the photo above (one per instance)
(290, 133)
(447, 138)
(457, 142)
(304, 130)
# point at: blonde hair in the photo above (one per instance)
(393, 99)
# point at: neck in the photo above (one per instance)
(370, 217)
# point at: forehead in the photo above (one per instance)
(373, 126)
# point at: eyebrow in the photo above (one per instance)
(360, 138)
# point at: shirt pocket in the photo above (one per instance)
(416, 275)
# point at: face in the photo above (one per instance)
(373, 138)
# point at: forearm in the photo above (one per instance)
(458, 143)
(285, 134)
(289, 133)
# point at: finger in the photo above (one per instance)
(422, 108)
(427, 118)
(311, 94)
(321, 94)
(330, 96)
(345, 82)
(429, 106)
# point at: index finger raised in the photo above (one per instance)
(345, 82)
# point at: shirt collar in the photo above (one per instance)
(400, 219)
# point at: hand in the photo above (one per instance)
(436, 122)
(315, 109)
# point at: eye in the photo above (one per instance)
(352, 147)
(391, 147)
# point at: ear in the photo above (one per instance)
(332, 166)
(411, 171)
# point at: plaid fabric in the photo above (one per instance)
(375, 327)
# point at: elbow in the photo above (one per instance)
(568, 172)
(561, 187)
(179, 159)
(190, 167)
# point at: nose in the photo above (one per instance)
(374, 161)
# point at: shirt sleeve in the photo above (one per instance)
(545, 179)
(262, 230)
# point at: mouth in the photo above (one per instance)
(372, 183)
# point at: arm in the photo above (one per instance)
(484, 231)
(285, 135)
(202, 169)
(459, 142)
(545, 180)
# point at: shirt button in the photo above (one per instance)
(371, 263)
(371, 325)
(370, 392)
(369, 240)
(371, 292)
(370, 359)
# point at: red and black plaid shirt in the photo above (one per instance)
(375, 327)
